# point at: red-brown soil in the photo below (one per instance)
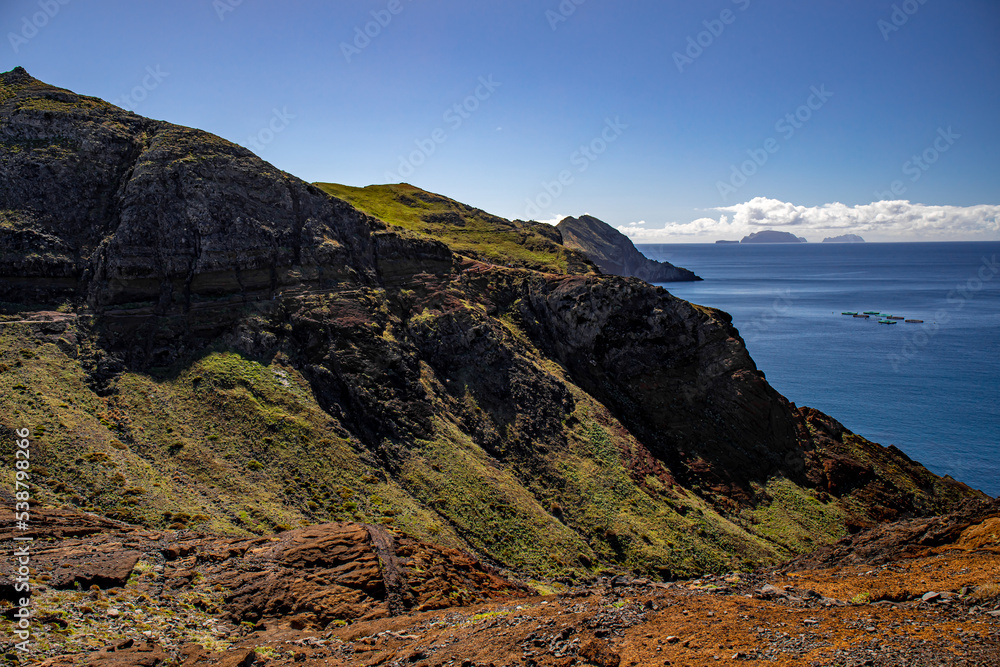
(346, 594)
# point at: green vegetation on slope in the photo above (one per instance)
(225, 444)
(466, 230)
(237, 445)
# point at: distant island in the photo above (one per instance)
(844, 238)
(772, 236)
(724, 241)
(614, 253)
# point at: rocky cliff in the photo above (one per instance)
(197, 339)
(614, 252)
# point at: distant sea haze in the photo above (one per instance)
(930, 389)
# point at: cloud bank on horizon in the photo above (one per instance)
(879, 221)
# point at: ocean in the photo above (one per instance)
(931, 389)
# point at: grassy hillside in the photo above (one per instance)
(468, 231)
(239, 445)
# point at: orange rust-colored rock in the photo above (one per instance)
(981, 536)
(914, 593)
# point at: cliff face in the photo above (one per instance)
(614, 252)
(237, 350)
(108, 209)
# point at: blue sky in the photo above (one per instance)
(682, 107)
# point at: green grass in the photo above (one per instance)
(489, 508)
(466, 230)
(636, 525)
(227, 444)
(796, 519)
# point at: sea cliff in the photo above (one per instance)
(200, 340)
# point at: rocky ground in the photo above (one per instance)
(919, 592)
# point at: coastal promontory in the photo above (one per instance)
(614, 253)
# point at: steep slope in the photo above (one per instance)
(468, 231)
(614, 252)
(197, 339)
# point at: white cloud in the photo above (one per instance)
(878, 221)
(559, 218)
(553, 221)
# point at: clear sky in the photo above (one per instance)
(700, 120)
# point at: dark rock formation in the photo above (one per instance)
(614, 252)
(144, 221)
(772, 236)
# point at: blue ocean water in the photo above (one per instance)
(931, 389)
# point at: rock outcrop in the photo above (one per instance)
(614, 252)
(308, 577)
(142, 220)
